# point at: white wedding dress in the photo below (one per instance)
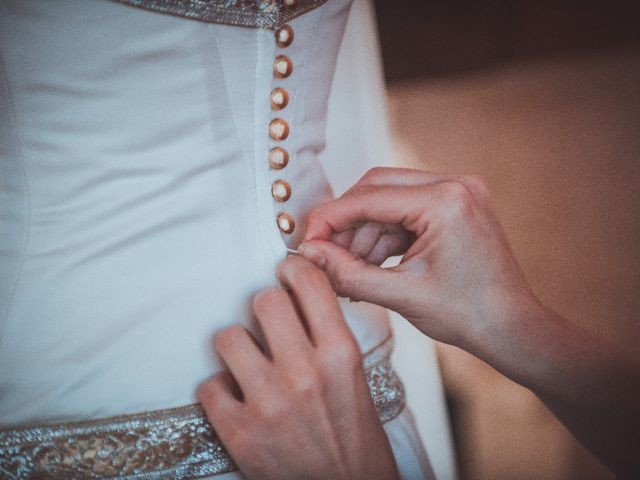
(138, 213)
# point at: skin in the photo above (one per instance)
(457, 282)
(289, 413)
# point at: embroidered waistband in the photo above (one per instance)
(177, 443)
(268, 14)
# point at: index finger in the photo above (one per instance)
(401, 176)
(403, 205)
(316, 299)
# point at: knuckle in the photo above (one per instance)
(341, 354)
(344, 276)
(341, 279)
(454, 191)
(212, 392)
(242, 442)
(360, 191)
(318, 221)
(206, 393)
(306, 382)
(457, 200)
(316, 215)
(224, 340)
(373, 174)
(478, 185)
(272, 409)
(306, 272)
(313, 276)
(269, 300)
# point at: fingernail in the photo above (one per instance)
(312, 253)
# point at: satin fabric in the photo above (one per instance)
(358, 97)
(136, 217)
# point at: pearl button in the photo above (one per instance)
(284, 36)
(279, 98)
(289, 3)
(286, 224)
(281, 191)
(278, 129)
(282, 66)
(278, 158)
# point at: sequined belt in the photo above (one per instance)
(177, 443)
(267, 14)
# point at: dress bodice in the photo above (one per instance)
(137, 209)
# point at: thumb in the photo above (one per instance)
(351, 276)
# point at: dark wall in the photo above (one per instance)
(436, 37)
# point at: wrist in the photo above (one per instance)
(510, 335)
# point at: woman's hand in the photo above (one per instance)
(457, 280)
(303, 410)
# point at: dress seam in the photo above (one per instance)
(26, 209)
(296, 109)
(247, 158)
(224, 77)
(297, 99)
(260, 155)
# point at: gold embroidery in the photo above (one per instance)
(267, 14)
(177, 443)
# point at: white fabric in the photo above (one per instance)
(136, 217)
(417, 364)
(358, 138)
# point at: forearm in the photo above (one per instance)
(591, 386)
(458, 282)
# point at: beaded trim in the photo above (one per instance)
(267, 14)
(177, 443)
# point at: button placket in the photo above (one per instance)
(279, 98)
(284, 36)
(281, 191)
(278, 129)
(282, 67)
(278, 157)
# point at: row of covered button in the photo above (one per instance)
(279, 128)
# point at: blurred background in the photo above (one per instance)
(542, 99)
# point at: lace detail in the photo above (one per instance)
(268, 14)
(177, 443)
(387, 390)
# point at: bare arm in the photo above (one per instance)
(459, 283)
(589, 384)
(302, 410)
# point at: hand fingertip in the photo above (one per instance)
(203, 391)
(317, 230)
(313, 254)
(283, 269)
